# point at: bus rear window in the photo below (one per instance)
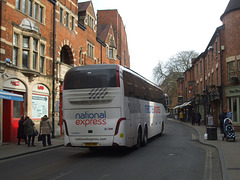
(96, 78)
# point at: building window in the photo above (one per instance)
(238, 70)
(110, 53)
(61, 15)
(90, 50)
(30, 8)
(15, 48)
(201, 67)
(90, 21)
(231, 70)
(197, 69)
(67, 21)
(25, 52)
(217, 76)
(28, 53)
(24, 6)
(18, 4)
(36, 11)
(73, 23)
(42, 54)
(212, 77)
(35, 53)
(41, 14)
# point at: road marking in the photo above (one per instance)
(208, 165)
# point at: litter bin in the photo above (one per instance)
(212, 133)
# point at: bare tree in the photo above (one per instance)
(166, 74)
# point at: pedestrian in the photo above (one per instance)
(181, 116)
(29, 130)
(229, 114)
(45, 130)
(20, 133)
(198, 118)
(193, 118)
(221, 119)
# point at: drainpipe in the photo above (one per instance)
(221, 69)
(53, 70)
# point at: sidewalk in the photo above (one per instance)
(229, 151)
(10, 150)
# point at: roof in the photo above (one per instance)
(102, 31)
(83, 6)
(233, 5)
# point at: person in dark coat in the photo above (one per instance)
(193, 118)
(199, 118)
(20, 133)
(29, 130)
(221, 119)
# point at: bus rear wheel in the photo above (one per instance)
(145, 137)
(162, 130)
(139, 140)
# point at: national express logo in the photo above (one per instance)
(87, 118)
(152, 109)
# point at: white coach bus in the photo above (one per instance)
(110, 105)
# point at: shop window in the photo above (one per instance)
(17, 109)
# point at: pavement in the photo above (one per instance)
(228, 151)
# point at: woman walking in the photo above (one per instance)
(45, 130)
(29, 130)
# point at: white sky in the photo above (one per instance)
(158, 29)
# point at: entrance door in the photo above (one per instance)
(12, 112)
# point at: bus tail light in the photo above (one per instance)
(118, 125)
(117, 76)
(65, 124)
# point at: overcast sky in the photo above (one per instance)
(158, 29)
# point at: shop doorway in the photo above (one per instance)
(12, 112)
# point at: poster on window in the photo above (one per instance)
(39, 106)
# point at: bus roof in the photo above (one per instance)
(111, 66)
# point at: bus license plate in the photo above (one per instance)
(91, 144)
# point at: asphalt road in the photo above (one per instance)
(177, 155)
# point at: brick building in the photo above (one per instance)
(216, 72)
(40, 41)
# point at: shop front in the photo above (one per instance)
(13, 108)
(233, 103)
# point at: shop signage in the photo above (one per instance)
(40, 89)
(14, 84)
(232, 91)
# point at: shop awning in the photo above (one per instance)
(10, 96)
(182, 105)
